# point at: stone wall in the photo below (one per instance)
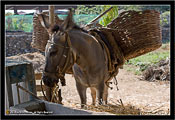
(18, 43)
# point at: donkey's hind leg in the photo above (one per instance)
(93, 94)
(82, 93)
(100, 91)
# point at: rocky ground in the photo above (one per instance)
(135, 96)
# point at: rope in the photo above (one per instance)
(116, 83)
(19, 101)
(62, 72)
(43, 90)
(93, 33)
(53, 95)
(27, 91)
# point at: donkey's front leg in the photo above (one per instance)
(93, 94)
(82, 93)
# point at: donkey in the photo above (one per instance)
(83, 53)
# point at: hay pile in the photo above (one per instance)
(160, 71)
(36, 58)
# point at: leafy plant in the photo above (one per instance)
(165, 19)
(131, 7)
(106, 19)
(21, 24)
(82, 9)
(15, 24)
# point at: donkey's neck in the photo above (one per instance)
(89, 51)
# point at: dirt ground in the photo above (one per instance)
(138, 96)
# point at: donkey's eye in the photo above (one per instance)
(53, 53)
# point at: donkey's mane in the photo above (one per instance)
(80, 28)
(55, 28)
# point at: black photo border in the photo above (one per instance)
(2, 41)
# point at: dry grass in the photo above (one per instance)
(121, 109)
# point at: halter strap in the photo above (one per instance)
(58, 44)
(69, 54)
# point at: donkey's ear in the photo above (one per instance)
(44, 20)
(68, 22)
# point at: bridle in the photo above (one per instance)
(60, 73)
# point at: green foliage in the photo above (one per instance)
(27, 27)
(84, 15)
(165, 19)
(82, 9)
(15, 25)
(131, 7)
(109, 16)
(149, 58)
(24, 22)
(133, 69)
(96, 10)
(20, 22)
(144, 61)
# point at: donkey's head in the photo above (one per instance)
(56, 51)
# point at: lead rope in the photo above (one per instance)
(116, 83)
(62, 79)
(43, 90)
(54, 95)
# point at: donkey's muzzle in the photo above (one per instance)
(48, 81)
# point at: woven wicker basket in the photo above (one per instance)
(136, 32)
(40, 35)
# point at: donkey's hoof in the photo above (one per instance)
(83, 107)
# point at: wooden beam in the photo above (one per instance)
(36, 8)
(26, 7)
(9, 8)
(51, 15)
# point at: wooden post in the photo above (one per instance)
(51, 22)
(51, 15)
(40, 9)
(15, 11)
